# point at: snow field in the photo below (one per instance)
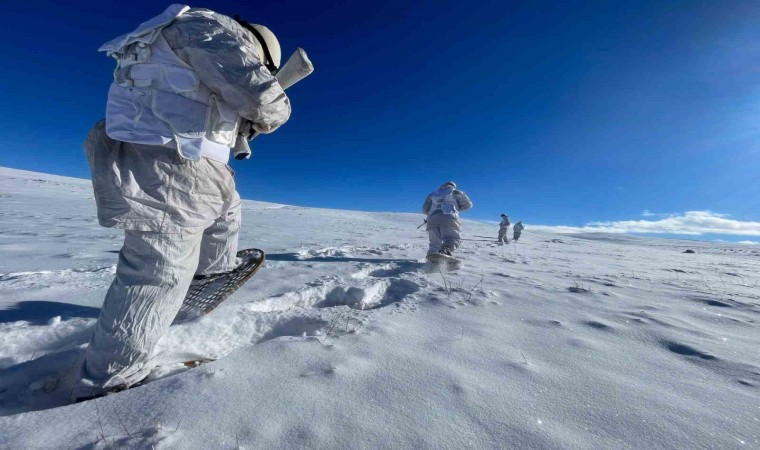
(345, 340)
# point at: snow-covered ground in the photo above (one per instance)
(345, 340)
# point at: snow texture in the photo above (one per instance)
(345, 340)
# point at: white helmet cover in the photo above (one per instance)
(270, 40)
(270, 46)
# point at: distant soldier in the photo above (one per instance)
(518, 230)
(503, 229)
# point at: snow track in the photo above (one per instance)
(309, 311)
(323, 308)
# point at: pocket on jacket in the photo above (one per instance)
(101, 154)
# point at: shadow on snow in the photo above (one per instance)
(40, 312)
(295, 257)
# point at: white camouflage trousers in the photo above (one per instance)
(443, 231)
(181, 218)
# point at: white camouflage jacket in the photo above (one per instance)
(187, 78)
(447, 201)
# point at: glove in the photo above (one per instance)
(242, 150)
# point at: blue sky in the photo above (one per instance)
(558, 113)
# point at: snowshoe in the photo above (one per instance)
(443, 260)
(209, 291)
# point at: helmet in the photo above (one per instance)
(269, 44)
(449, 184)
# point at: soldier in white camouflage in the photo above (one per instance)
(503, 230)
(185, 81)
(442, 207)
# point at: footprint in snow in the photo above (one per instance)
(395, 270)
(371, 296)
(685, 350)
(598, 325)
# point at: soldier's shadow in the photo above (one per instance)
(298, 258)
(40, 312)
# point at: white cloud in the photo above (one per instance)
(749, 242)
(693, 223)
(648, 213)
